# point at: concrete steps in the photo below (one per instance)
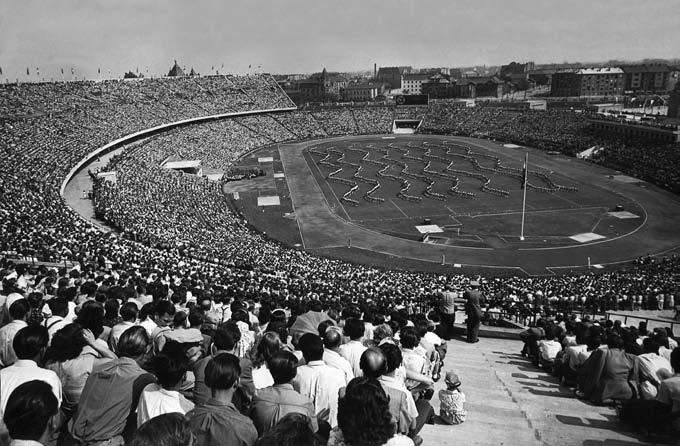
(511, 402)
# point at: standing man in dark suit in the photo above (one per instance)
(447, 311)
(473, 309)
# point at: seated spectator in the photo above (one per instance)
(548, 348)
(415, 361)
(164, 396)
(452, 401)
(72, 356)
(217, 421)
(18, 312)
(91, 317)
(332, 339)
(422, 409)
(317, 380)
(268, 345)
(402, 407)
(669, 392)
(224, 340)
(30, 413)
(59, 308)
(29, 344)
(171, 429)
(242, 319)
(272, 403)
(652, 369)
(291, 430)
(609, 374)
(128, 314)
(364, 417)
(159, 319)
(352, 350)
(106, 412)
(530, 337)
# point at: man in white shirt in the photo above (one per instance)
(317, 380)
(18, 312)
(29, 344)
(332, 339)
(652, 369)
(352, 350)
(128, 312)
(59, 309)
(391, 379)
(161, 315)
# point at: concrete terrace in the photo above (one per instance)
(511, 402)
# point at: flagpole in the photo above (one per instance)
(524, 187)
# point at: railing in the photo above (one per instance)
(664, 321)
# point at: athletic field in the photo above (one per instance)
(437, 202)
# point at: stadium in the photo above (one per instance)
(360, 223)
(220, 186)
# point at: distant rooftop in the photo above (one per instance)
(601, 70)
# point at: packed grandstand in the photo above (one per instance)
(188, 240)
(47, 128)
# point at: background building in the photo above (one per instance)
(674, 103)
(362, 91)
(392, 76)
(646, 78)
(604, 81)
(412, 83)
(322, 86)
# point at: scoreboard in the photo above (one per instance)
(411, 99)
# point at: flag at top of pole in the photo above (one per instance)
(525, 174)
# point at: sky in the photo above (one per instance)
(303, 36)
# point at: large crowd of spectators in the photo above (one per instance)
(632, 368)
(101, 355)
(182, 249)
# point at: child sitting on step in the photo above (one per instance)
(451, 401)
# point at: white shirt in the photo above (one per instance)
(396, 383)
(262, 377)
(22, 371)
(432, 338)
(321, 383)
(652, 367)
(334, 359)
(7, 333)
(352, 352)
(71, 316)
(549, 349)
(149, 325)
(13, 297)
(156, 401)
(54, 324)
(116, 331)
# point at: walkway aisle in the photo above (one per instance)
(512, 403)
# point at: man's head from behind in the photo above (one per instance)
(392, 355)
(226, 337)
(222, 372)
(332, 338)
(373, 363)
(282, 366)
(311, 346)
(354, 328)
(19, 309)
(134, 343)
(30, 342)
(29, 409)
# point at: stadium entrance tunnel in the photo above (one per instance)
(405, 126)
